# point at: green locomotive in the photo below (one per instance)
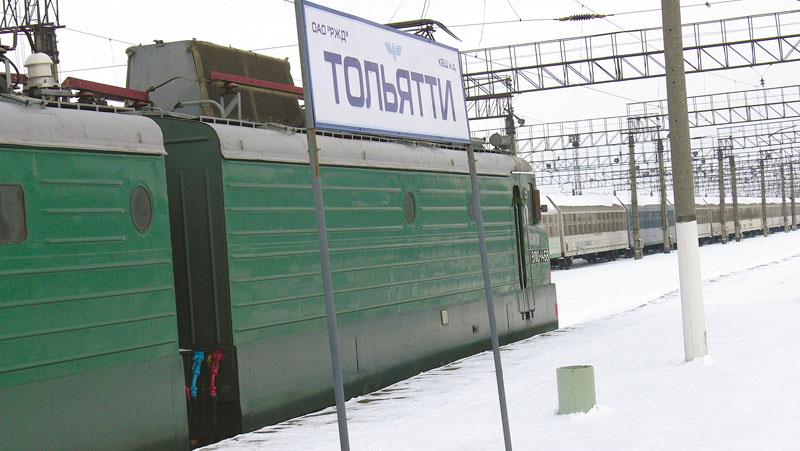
(404, 253)
(159, 270)
(88, 340)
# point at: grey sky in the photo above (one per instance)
(251, 24)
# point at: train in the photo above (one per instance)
(160, 284)
(599, 227)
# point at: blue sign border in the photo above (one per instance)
(385, 132)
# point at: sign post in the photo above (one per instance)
(322, 232)
(487, 288)
(363, 77)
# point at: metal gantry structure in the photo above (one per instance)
(36, 20)
(608, 153)
(773, 144)
(492, 76)
(593, 153)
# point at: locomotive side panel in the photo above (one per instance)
(88, 349)
(404, 250)
(397, 264)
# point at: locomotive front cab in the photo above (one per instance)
(533, 249)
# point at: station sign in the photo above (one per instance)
(369, 78)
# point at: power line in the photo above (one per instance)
(610, 94)
(425, 5)
(514, 10)
(400, 5)
(99, 36)
(550, 19)
(285, 46)
(498, 22)
(706, 4)
(113, 66)
(482, 26)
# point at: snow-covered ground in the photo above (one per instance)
(624, 319)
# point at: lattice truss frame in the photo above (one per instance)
(775, 143)
(593, 153)
(25, 15)
(493, 75)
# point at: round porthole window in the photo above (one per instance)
(410, 207)
(141, 208)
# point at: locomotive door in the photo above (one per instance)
(532, 209)
(521, 244)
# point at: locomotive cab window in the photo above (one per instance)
(519, 226)
(535, 204)
(12, 214)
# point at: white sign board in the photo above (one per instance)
(366, 77)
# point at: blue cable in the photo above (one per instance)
(197, 364)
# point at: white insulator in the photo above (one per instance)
(40, 71)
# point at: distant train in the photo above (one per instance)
(160, 282)
(600, 227)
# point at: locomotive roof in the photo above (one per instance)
(288, 145)
(33, 124)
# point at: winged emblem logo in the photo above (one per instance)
(393, 49)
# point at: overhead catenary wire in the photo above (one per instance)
(87, 33)
(482, 27)
(551, 19)
(111, 66)
(426, 6)
(513, 9)
(399, 5)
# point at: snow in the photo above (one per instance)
(749, 200)
(643, 198)
(623, 318)
(741, 200)
(563, 200)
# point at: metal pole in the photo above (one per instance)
(791, 194)
(662, 181)
(487, 288)
(737, 226)
(691, 288)
(763, 199)
(721, 176)
(322, 233)
(511, 128)
(784, 210)
(637, 242)
(576, 143)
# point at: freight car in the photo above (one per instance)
(577, 225)
(651, 226)
(774, 215)
(590, 227)
(749, 216)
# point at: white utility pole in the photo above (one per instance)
(691, 286)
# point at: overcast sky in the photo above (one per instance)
(258, 24)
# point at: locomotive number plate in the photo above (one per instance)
(540, 256)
